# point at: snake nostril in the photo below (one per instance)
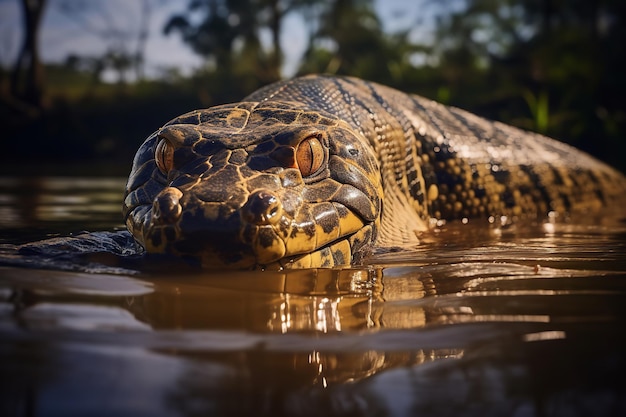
(166, 208)
(262, 207)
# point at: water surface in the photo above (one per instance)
(482, 320)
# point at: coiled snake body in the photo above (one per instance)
(315, 171)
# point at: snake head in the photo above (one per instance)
(255, 186)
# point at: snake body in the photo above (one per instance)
(315, 171)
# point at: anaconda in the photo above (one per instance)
(318, 170)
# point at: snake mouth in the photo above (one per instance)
(267, 229)
(260, 234)
(336, 253)
(237, 244)
(262, 230)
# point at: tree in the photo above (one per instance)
(227, 34)
(222, 23)
(277, 10)
(120, 26)
(350, 41)
(28, 75)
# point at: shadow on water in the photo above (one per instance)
(37, 207)
(480, 321)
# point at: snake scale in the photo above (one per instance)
(318, 170)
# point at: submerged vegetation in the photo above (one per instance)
(555, 67)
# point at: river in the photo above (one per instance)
(484, 319)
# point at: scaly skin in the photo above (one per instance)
(315, 171)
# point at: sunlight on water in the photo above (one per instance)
(485, 318)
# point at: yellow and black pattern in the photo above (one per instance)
(314, 171)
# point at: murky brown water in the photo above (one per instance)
(481, 321)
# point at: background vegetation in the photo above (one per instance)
(554, 66)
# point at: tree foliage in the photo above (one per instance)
(350, 41)
(228, 34)
(553, 66)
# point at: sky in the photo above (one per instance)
(63, 34)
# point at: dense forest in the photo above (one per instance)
(553, 66)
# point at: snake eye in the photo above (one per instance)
(310, 156)
(164, 156)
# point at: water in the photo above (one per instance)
(522, 320)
